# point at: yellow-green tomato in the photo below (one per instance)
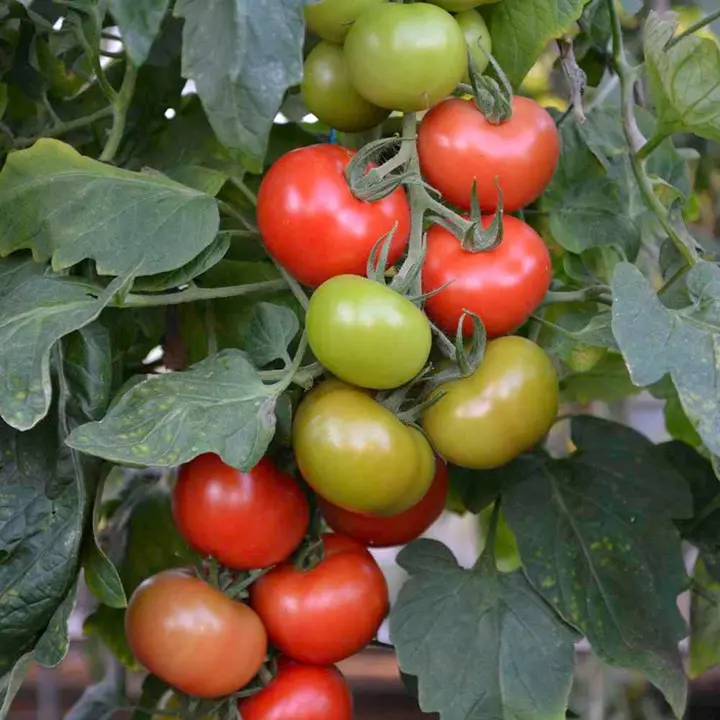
(367, 334)
(506, 406)
(356, 454)
(507, 556)
(477, 37)
(329, 94)
(460, 5)
(405, 57)
(331, 19)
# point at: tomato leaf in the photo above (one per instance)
(483, 645)
(521, 29)
(270, 330)
(67, 208)
(596, 537)
(11, 682)
(684, 81)
(704, 621)
(677, 422)
(246, 37)
(608, 380)
(219, 405)
(139, 24)
(667, 336)
(98, 702)
(53, 645)
(153, 690)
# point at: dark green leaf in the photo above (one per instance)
(139, 24)
(11, 682)
(483, 645)
(67, 208)
(476, 489)
(684, 80)
(53, 645)
(240, 94)
(98, 702)
(153, 690)
(704, 622)
(683, 343)
(270, 330)
(596, 537)
(677, 423)
(219, 405)
(574, 331)
(608, 380)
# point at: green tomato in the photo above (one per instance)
(507, 557)
(329, 94)
(460, 5)
(477, 37)
(366, 333)
(356, 454)
(506, 406)
(405, 57)
(331, 19)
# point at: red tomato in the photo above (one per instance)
(503, 286)
(457, 144)
(325, 614)
(244, 519)
(312, 224)
(301, 692)
(192, 636)
(396, 529)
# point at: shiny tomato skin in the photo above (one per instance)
(245, 520)
(456, 145)
(477, 37)
(405, 57)
(301, 692)
(367, 334)
(401, 529)
(326, 614)
(332, 19)
(355, 453)
(331, 97)
(506, 406)
(192, 636)
(312, 224)
(504, 286)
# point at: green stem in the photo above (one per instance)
(294, 369)
(699, 25)
(65, 127)
(244, 189)
(120, 106)
(652, 144)
(295, 287)
(195, 294)
(593, 294)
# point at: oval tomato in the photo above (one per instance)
(192, 636)
(301, 692)
(457, 145)
(357, 454)
(314, 226)
(366, 333)
(245, 520)
(405, 57)
(504, 286)
(501, 410)
(329, 94)
(396, 529)
(477, 37)
(331, 19)
(323, 615)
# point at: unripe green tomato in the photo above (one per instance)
(356, 454)
(507, 557)
(506, 406)
(331, 19)
(405, 57)
(329, 94)
(477, 37)
(366, 333)
(460, 5)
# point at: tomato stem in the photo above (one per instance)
(62, 128)
(120, 105)
(699, 25)
(195, 293)
(600, 294)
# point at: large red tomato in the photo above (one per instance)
(396, 529)
(323, 615)
(503, 286)
(301, 692)
(313, 225)
(244, 519)
(192, 636)
(457, 145)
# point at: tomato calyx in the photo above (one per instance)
(492, 97)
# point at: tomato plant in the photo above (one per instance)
(245, 520)
(237, 243)
(328, 613)
(177, 624)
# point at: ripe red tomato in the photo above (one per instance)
(301, 692)
(504, 286)
(312, 224)
(244, 519)
(457, 145)
(192, 636)
(325, 614)
(395, 530)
